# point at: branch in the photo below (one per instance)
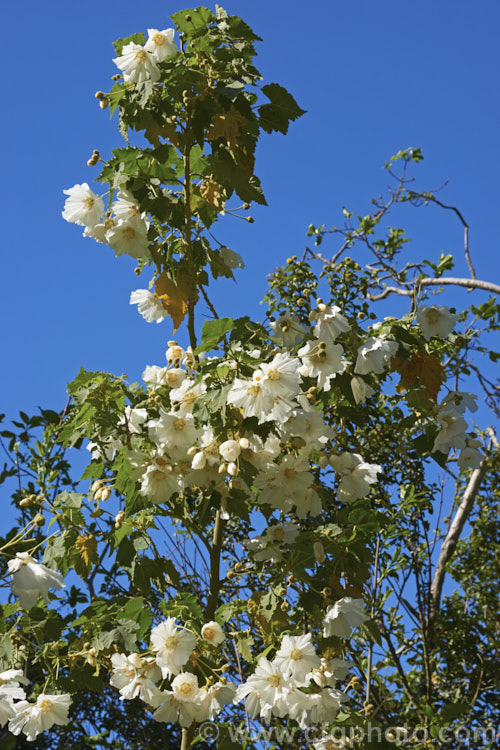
(487, 286)
(453, 535)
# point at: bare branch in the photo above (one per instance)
(453, 535)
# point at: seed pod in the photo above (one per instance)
(39, 520)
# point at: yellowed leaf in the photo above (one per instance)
(86, 545)
(424, 368)
(175, 296)
(226, 126)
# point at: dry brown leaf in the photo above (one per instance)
(226, 126)
(175, 296)
(424, 368)
(86, 545)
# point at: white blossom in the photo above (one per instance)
(290, 329)
(30, 579)
(138, 64)
(330, 323)
(322, 360)
(436, 321)
(173, 646)
(134, 676)
(213, 633)
(374, 354)
(361, 390)
(161, 43)
(343, 616)
(82, 206)
(149, 306)
(297, 657)
(266, 691)
(268, 546)
(34, 718)
(129, 237)
(356, 475)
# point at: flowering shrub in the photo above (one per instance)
(269, 450)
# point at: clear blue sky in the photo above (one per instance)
(374, 77)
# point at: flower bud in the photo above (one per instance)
(199, 461)
(244, 443)
(103, 103)
(98, 493)
(232, 469)
(222, 468)
(284, 606)
(322, 307)
(187, 17)
(25, 503)
(319, 552)
(99, 94)
(193, 451)
(250, 219)
(39, 520)
(105, 494)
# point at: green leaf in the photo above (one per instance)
(193, 22)
(453, 711)
(120, 43)
(212, 332)
(282, 109)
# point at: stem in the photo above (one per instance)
(215, 554)
(372, 613)
(187, 233)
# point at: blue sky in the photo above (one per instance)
(374, 78)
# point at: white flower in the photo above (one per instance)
(356, 475)
(470, 457)
(361, 390)
(213, 699)
(251, 398)
(297, 657)
(213, 633)
(161, 43)
(333, 741)
(30, 579)
(129, 237)
(174, 432)
(98, 232)
(106, 450)
(126, 206)
(330, 323)
(330, 671)
(311, 709)
(308, 423)
(137, 63)
(133, 419)
(134, 676)
(452, 432)
(231, 259)
(322, 360)
(10, 690)
(185, 687)
(268, 545)
(281, 376)
(34, 718)
(173, 646)
(343, 616)
(436, 321)
(290, 329)
(230, 450)
(280, 484)
(170, 709)
(159, 481)
(374, 354)
(83, 206)
(156, 376)
(266, 691)
(149, 306)
(457, 402)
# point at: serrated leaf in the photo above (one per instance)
(86, 544)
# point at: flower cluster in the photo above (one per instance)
(137, 676)
(140, 63)
(29, 718)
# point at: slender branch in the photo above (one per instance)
(215, 555)
(372, 614)
(487, 286)
(453, 535)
